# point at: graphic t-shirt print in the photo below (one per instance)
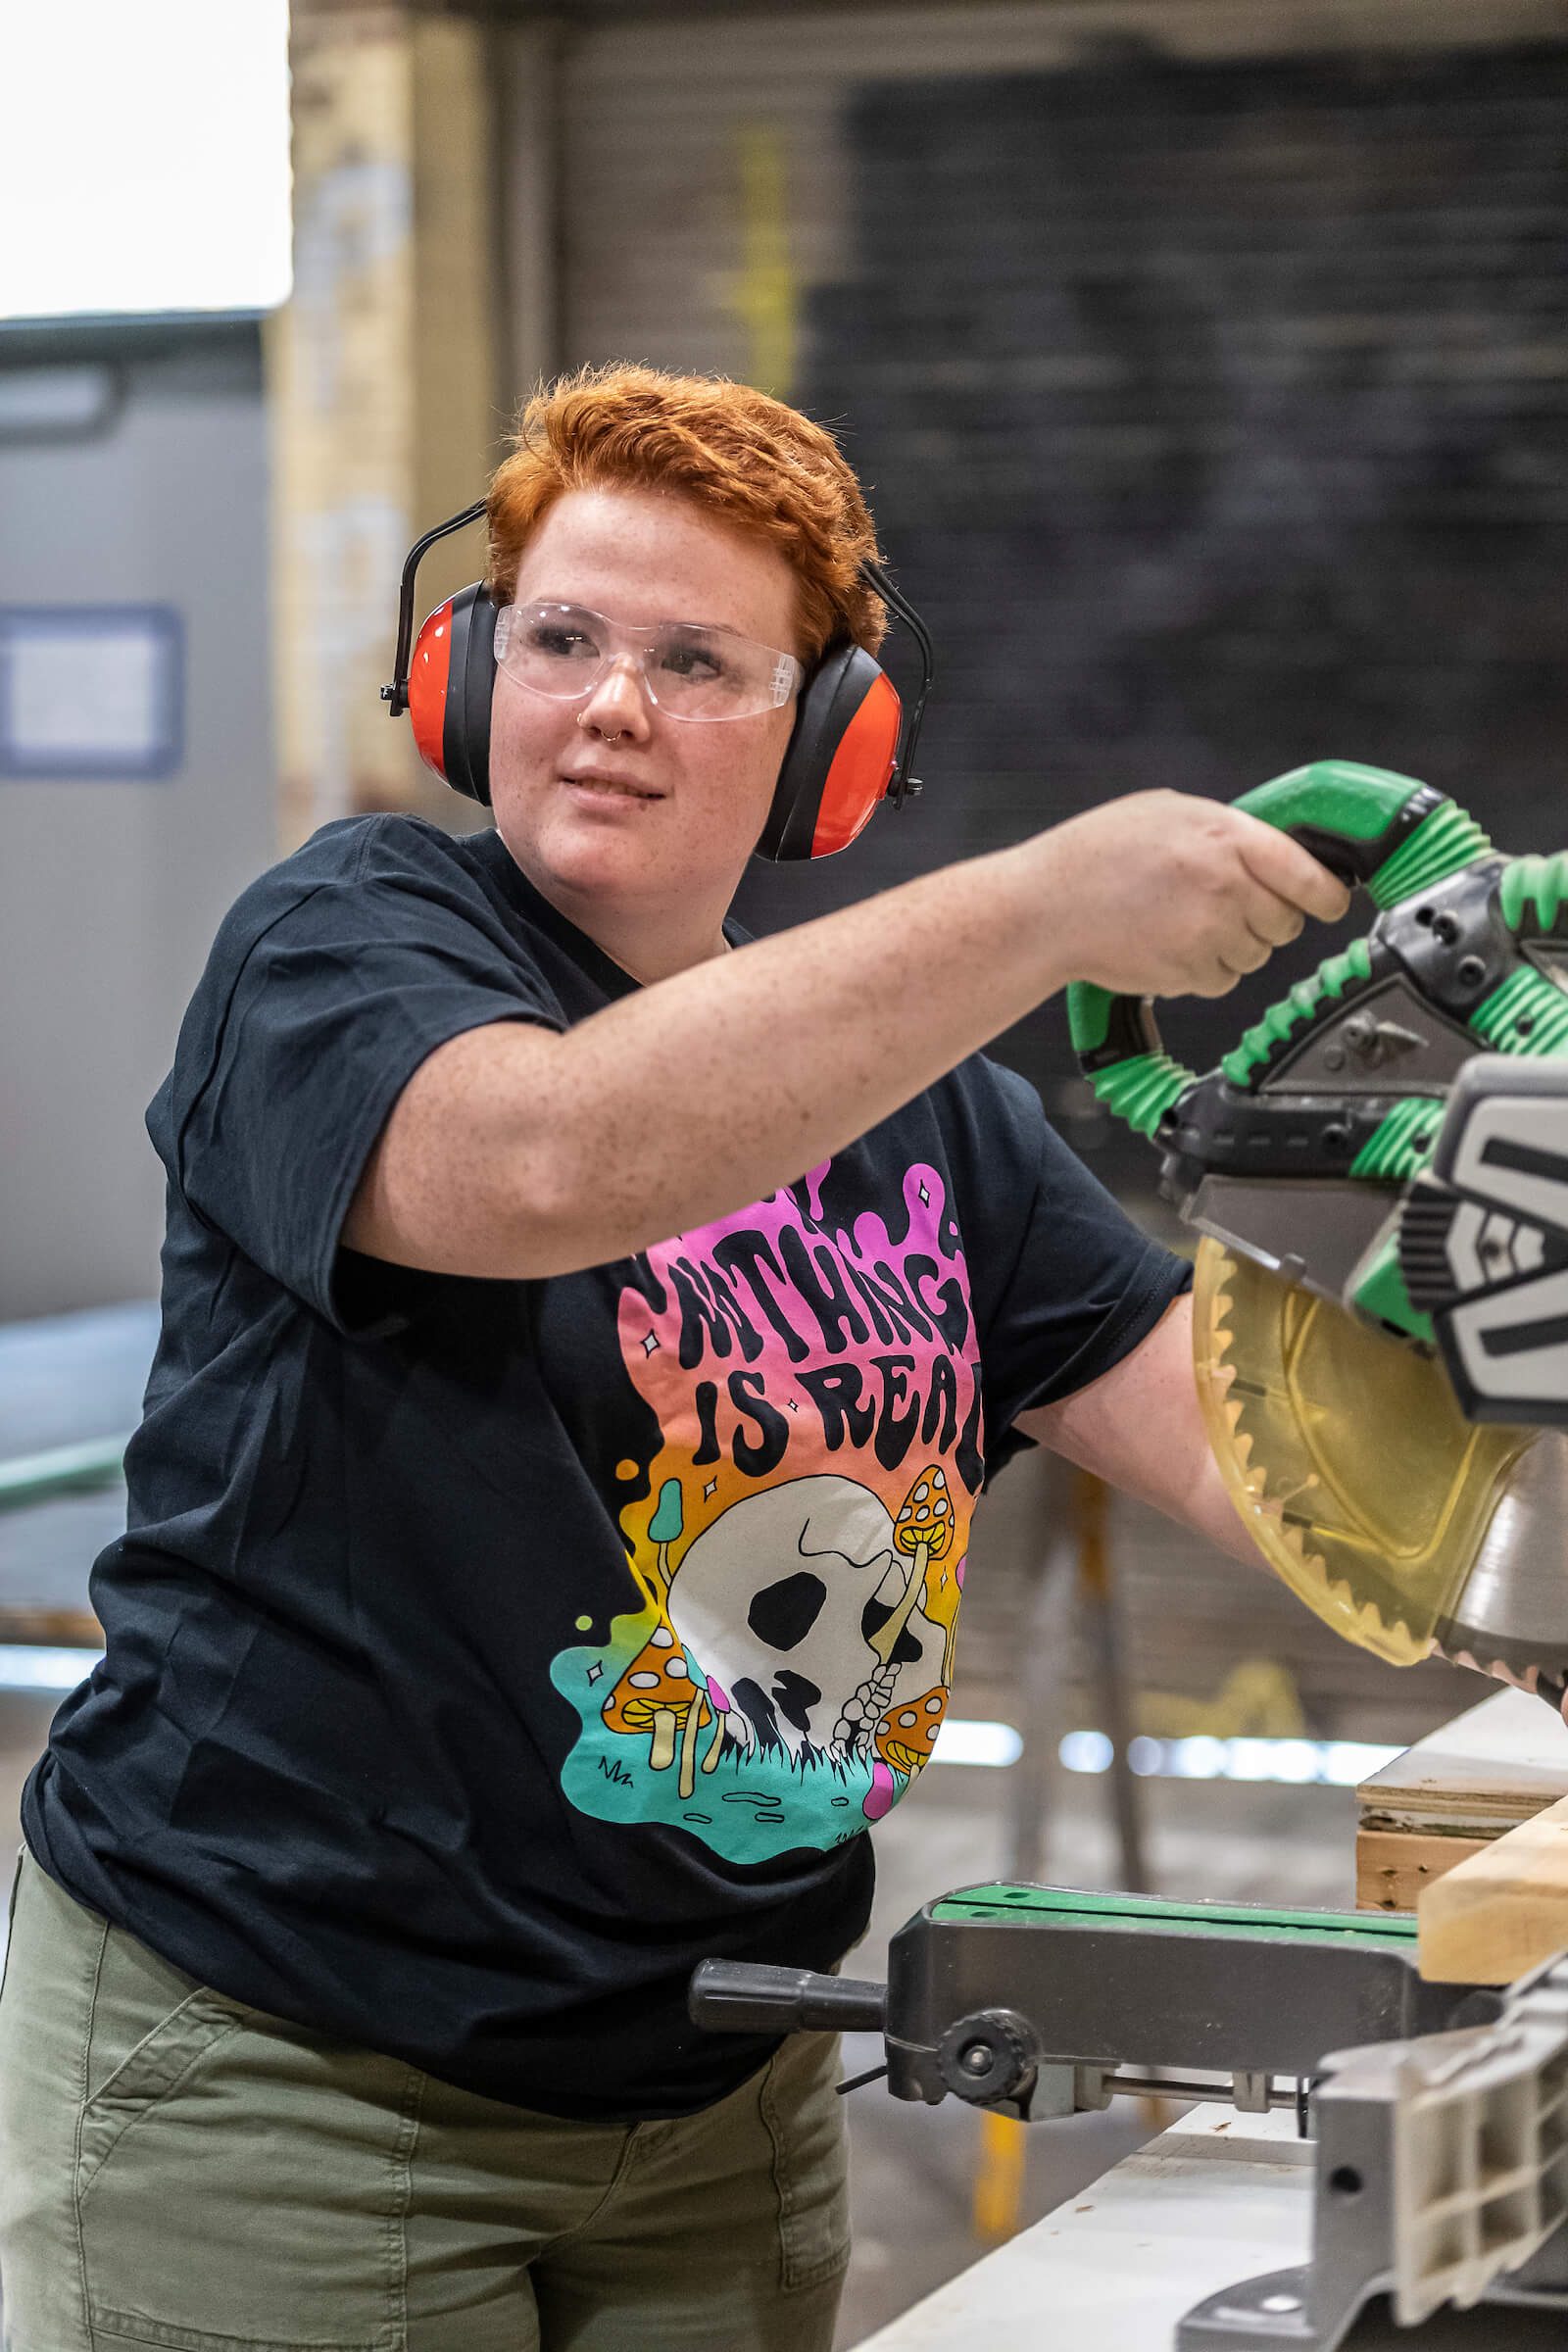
(800, 1534)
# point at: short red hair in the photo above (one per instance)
(750, 460)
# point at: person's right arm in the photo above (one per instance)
(516, 1152)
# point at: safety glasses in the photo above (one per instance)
(687, 669)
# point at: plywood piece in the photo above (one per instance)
(1495, 1765)
(1504, 1911)
(1393, 1865)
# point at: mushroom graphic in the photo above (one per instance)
(706, 1707)
(952, 1622)
(665, 1528)
(663, 1693)
(907, 1735)
(655, 1695)
(923, 1531)
(722, 1707)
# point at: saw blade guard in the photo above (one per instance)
(1347, 1456)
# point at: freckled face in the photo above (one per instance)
(610, 805)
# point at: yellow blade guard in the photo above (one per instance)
(1345, 1453)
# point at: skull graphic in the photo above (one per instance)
(780, 1598)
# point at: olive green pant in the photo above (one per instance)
(177, 2170)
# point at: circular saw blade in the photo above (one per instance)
(1346, 1456)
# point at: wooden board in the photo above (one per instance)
(1504, 1910)
(1497, 1764)
(1393, 1866)
(1454, 1793)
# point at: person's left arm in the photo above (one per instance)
(1140, 1427)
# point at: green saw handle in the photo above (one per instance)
(1387, 833)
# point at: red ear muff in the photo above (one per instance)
(841, 758)
(428, 673)
(452, 679)
(862, 770)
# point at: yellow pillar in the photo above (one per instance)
(383, 380)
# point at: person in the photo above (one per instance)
(585, 1333)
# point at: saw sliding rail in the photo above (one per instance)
(1439, 2112)
(1035, 2000)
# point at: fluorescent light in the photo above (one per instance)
(1200, 1759)
(1350, 1762)
(1087, 1751)
(1341, 1763)
(144, 143)
(961, 1743)
(30, 1666)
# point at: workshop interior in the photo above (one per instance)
(1205, 363)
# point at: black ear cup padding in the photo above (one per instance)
(829, 700)
(470, 690)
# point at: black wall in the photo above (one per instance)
(1217, 417)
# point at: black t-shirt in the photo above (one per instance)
(482, 1654)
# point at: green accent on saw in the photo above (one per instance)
(1538, 883)
(1088, 1015)
(1403, 1142)
(1443, 844)
(1065, 1905)
(1335, 796)
(1527, 1014)
(1141, 1089)
(1303, 1003)
(1382, 1294)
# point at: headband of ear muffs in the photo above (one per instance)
(848, 750)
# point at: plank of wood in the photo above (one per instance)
(1393, 1866)
(1499, 1763)
(1504, 1911)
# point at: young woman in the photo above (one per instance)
(585, 1334)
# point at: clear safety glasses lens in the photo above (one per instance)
(690, 671)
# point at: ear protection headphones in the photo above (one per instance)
(851, 744)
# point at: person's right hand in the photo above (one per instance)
(1163, 893)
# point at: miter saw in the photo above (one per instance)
(1379, 1172)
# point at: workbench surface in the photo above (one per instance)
(1218, 2198)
